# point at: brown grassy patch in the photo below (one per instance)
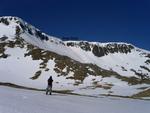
(145, 93)
(37, 74)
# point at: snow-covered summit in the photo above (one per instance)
(14, 26)
(23, 27)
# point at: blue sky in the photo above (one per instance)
(92, 20)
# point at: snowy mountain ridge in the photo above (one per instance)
(73, 62)
(29, 32)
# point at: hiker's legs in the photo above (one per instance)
(47, 90)
(50, 90)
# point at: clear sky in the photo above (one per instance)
(92, 20)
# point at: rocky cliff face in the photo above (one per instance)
(102, 50)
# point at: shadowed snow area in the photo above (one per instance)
(26, 101)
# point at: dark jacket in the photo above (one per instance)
(50, 81)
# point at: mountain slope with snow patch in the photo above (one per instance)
(28, 57)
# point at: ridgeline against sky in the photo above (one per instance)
(92, 20)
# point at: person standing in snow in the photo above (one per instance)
(49, 86)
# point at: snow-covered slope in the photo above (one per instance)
(23, 101)
(28, 56)
(120, 57)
